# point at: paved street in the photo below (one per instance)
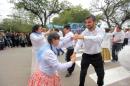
(15, 67)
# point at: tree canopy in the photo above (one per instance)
(43, 9)
(75, 14)
(112, 11)
(18, 22)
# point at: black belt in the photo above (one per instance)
(92, 54)
(70, 47)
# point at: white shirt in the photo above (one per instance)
(60, 33)
(50, 64)
(119, 36)
(128, 36)
(47, 59)
(107, 41)
(68, 35)
(92, 41)
(37, 39)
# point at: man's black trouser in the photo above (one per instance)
(69, 52)
(125, 42)
(97, 63)
(115, 49)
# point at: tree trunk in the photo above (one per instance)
(108, 23)
(107, 19)
(41, 21)
(45, 21)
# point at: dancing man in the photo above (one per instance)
(91, 38)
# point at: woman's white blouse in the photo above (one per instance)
(37, 40)
(49, 63)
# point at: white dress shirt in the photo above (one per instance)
(127, 35)
(60, 33)
(92, 41)
(47, 59)
(37, 39)
(119, 36)
(50, 64)
(107, 41)
(68, 35)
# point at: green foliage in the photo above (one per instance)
(43, 9)
(75, 14)
(15, 25)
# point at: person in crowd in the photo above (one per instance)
(91, 39)
(125, 42)
(127, 35)
(61, 35)
(22, 39)
(16, 39)
(117, 41)
(12, 38)
(2, 43)
(28, 40)
(47, 75)
(37, 38)
(9, 41)
(68, 33)
(106, 45)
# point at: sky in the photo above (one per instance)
(6, 8)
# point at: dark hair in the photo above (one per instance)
(35, 27)
(52, 36)
(119, 26)
(67, 27)
(57, 30)
(91, 16)
(107, 30)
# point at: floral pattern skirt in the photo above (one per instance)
(39, 78)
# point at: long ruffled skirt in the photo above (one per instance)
(106, 54)
(41, 79)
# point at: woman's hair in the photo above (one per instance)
(35, 27)
(52, 36)
(67, 27)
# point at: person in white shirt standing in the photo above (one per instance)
(128, 36)
(60, 33)
(61, 36)
(37, 38)
(70, 48)
(106, 45)
(118, 38)
(91, 38)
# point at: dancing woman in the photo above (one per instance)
(47, 74)
(37, 38)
